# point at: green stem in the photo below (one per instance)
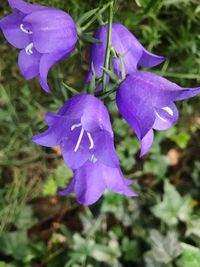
(109, 44)
(101, 11)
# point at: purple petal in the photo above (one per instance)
(104, 149)
(46, 62)
(10, 26)
(25, 7)
(75, 152)
(89, 185)
(186, 93)
(146, 143)
(134, 104)
(149, 60)
(29, 64)
(69, 189)
(166, 117)
(92, 112)
(49, 138)
(53, 30)
(115, 181)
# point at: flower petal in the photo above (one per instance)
(25, 7)
(149, 60)
(69, 189)
(75, 148)
(29, 64)
(89, 185)
(134, 104)
(49, 138)
(115, 181)
(146, 143)
(104, 150)
(166, 117)
(186, 93)
(46, 62)
(53, 30)
(10, 26)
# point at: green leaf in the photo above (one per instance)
(190, 256)
(50, 187)
(86, 16)
(89, 38)
(25, 219)
(181, 139)
(164, 249)
(173, 207)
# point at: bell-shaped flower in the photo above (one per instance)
(125, 44)
(93, 178)
(146, 101)
(45, 36)
(83, 130)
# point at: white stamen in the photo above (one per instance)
(79, 140)
(93, 159)
(29, 50)
(75, 126)
(168, 110)
(91, 140)
(25, 30)
(161, 117)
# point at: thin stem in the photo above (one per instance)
(109, 44)
(101, 11)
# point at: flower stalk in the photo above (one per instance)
(109, 45)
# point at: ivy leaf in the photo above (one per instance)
(164, 249)
(190, 256)
(173, 207)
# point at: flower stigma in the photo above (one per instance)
(29, 50)
(81, 136)
(25, 30)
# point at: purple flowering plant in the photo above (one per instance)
(82, 127)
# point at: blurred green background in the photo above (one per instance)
(160, 228)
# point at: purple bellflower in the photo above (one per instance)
(146, 101)
(45, 36)
(83, 130)
(125, 44)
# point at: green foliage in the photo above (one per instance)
(173, 207)
(191, 256)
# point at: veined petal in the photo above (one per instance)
(46, 62)
(49, 138)
(69, 189)
(53, 30)
(25, 7)
(134, 104)
(89, 183)
(148, 59)
(165, 117)
(29, 64)
(186, 93)
(90, 110)
(104, 150)
(115, 181)
(146, 142)
(10, 26)
(75, 148)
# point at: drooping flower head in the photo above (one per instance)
(83, 130)
(45, 35)
(146, 101)
(125, 44)
(91, 180)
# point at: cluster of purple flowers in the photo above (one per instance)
(82, 127)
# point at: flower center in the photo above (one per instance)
(27, 31)
(29, 50)
(81, 137)
(168, 110)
